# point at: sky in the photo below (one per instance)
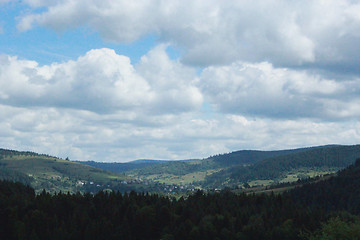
(116, 80)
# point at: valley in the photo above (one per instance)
(255, 168)
(237, 170)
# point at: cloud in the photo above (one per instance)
(98, 81)
(176, 82)
(101, 107)
(85, 135)
(101, 81)
(313, 34)
(263, 90)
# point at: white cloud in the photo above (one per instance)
(86, 135)
(316, 33)
(262, 90)
(103, 108)
(101, 81)
(176, 82)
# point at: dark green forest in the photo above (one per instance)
(327, 209)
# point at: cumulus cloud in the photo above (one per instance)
(101, 107)
(287, 33)
(85, 135)
(176, 82)
(101, 81)
(263, 90)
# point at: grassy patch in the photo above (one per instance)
(189, 178)
(307, 173)
(261, 183)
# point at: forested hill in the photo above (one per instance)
(123, 167)
(190, 171)
(247, 157)
(243, 157)
(331, 157)
(325, 210)
(257, 167)
(235, 169)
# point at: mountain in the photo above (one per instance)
(246, 157)
(236, 169)
(55, 174)
(328, 158)
(185, 172)
(117, 167)
(252, 166)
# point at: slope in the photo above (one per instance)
(123, 167)
(55, 174)
(195, 171)
(328, 158)
(257, 167)
(339, 193)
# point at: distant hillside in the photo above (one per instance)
(237, 158)
(247, 157)
(257, 167)
(54, 174)
(236, 169)
(331, 157)
(123, 167)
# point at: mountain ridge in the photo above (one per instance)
(235, 169)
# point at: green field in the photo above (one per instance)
(307, 173)
(190, 178)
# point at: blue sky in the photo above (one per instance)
(47, 46)
(122, 80)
